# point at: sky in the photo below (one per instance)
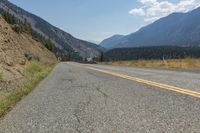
(95, 20)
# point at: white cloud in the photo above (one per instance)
(152, 10)
(138, 11)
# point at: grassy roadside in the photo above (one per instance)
(34, 73)
(172, 63)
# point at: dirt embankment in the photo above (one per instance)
(15, 49)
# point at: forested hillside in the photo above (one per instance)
(148, 53)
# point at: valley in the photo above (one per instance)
(145, 81)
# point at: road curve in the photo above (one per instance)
(76, 98)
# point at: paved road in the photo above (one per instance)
(77, 99)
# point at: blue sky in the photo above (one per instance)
(98, 19)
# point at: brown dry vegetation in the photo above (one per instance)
(1, 76)
(34, 72)
(172, 63)
(19, 72)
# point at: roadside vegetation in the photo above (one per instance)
(35, 71)
(170, 63)
(155, 56)
(1, 76)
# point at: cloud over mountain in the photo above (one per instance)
(152, 10)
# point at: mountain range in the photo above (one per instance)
(64, 42)
(180, 29)
(111, 42)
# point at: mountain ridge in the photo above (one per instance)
(110, 42)
(182, 29)
(65, 42)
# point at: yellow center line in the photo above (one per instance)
(151, 83)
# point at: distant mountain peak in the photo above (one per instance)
(182, 29)
(110, 42)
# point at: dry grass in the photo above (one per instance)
(1, 76)
(172, 63)
(34, 73)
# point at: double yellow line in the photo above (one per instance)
(151, 83)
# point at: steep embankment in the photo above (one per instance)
(14, 50)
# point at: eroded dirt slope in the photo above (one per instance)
(13, 50)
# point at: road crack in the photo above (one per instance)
(80, 112)
(104, 95)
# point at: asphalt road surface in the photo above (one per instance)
(78, 98)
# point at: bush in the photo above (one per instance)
(27, 27)
(17, 28)
(49, 45)
(30, 57)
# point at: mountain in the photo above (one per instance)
(182, 29)
(111, 42)
(64, 42)
(93, 41)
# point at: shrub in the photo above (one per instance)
(17, 28)
(30, 57)
(27, 27)
(49, 45)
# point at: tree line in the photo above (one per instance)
(24, 26)
(149, 53)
